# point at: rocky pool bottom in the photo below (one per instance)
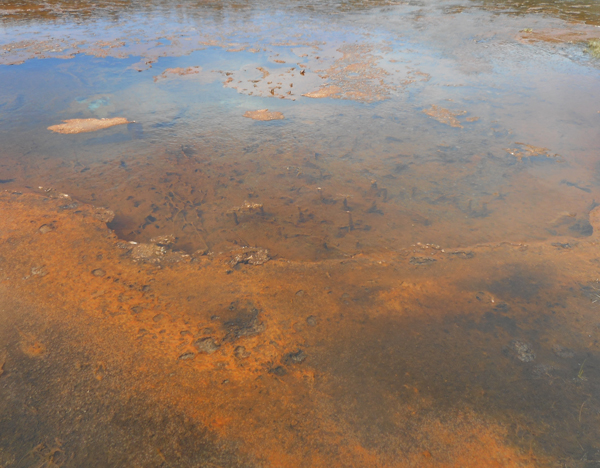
(122, 354)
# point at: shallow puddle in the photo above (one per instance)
(299, 234)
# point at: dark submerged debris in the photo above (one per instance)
(374, 210)
(244, 325)
(279, 371)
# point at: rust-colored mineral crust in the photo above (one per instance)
(269, 354)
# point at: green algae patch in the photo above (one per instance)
(593, 48)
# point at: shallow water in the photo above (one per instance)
(424, 203)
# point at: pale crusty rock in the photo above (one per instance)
(251, 256)
(178, 72)
(104, 215)
(86, 125)
(264, 115)
(164, 240)
(150, 253)
(444, 116)
(324, 92)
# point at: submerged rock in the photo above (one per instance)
(520, 350)
(104, 215)
(251, 257)
(295, 358)
(148, 252)
(240, 352)
(206, 345)
(45, 228)
(542, 370)
(165, 240)
(563, 352)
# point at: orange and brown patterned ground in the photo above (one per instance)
(134, 355)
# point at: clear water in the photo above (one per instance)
(447, 129)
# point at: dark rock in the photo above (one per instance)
(421, 260)
(462, 254)
(245, 324)
(280, 371)
(583, 227)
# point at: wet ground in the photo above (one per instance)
(299, 234)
